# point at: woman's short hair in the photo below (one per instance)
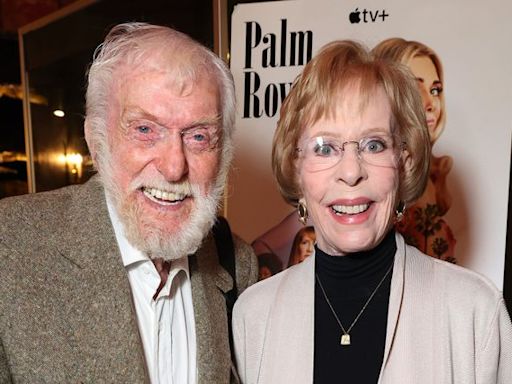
(315, 93)
(401, 50)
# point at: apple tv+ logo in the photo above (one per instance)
(368, 16)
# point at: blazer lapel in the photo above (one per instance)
(104, 320)
(290, 332)
(395, 299)
(209, 281)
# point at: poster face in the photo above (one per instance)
(463, 215)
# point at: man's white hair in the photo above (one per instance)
(129, 44)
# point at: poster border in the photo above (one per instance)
(507, 277)
(506, 287)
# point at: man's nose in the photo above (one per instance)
(172, 160)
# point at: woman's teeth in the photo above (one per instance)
(350, 209)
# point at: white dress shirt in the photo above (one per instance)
(166, 324)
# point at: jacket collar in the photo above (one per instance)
(209, 282)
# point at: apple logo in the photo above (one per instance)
(354, 16)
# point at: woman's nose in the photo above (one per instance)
(428, 100)
(350, 168)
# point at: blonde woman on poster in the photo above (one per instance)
(424, 225)
(351, 147)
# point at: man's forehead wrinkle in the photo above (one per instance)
(204, 121)
(182, 66)
(179, 84)
(174, 79)
(134, 112)
(131, 113)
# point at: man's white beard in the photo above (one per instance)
(156, 241)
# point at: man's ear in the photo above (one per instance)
(89, 140)
(87, 133)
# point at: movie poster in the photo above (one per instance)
(459, 51)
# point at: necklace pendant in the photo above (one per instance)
(345, 339)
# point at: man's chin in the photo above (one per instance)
(166, 235)
(159, 233)
(166, 226)
(168, 245)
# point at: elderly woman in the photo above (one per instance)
(351, 150)
(424, 225)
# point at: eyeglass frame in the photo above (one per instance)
(341, 149)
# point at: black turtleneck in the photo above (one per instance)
(348, 282)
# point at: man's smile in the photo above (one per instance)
(164, 197)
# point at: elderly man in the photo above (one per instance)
(122, 279)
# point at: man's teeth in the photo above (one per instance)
(350, 209)
(163, 195)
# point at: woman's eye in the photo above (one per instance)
(324, 150)
(436, 91)
(374, 146)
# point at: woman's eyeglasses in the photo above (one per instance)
(321, 152)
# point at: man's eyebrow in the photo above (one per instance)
(205, 121)
(130, 113)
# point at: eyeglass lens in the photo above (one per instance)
(322, 152)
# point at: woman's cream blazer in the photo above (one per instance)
(446, 324)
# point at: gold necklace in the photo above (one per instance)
(345, 336)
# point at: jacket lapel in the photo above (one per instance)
(209, 282)
(395, 299)
(290, 334)
(104, 322)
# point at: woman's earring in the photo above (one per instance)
(399, 212)
(303, 212)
